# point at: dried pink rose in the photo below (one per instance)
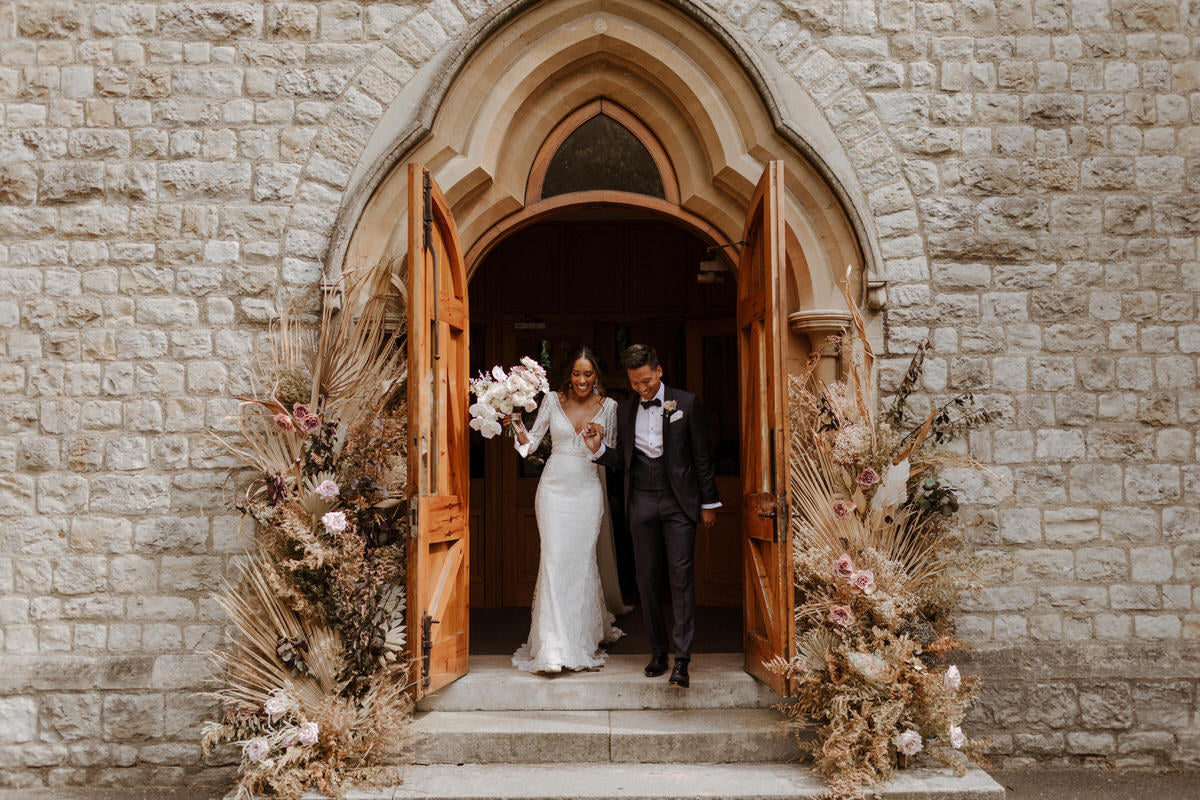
(863, 581)
(867, 478)
(909, 742)
(284, 422)
(275, 708)
(308, 733)
(310, 423)
(842, 508)
(300, 410)
(841, 615)
(844, 566)
(327, 490)
(952, 678)
(956, 737)
(257, 749)
(335, 521)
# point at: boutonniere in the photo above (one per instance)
(669, 407)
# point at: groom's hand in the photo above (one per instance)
(708, 517)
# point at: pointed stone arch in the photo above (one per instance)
(792, 94)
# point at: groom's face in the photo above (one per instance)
(645, 381)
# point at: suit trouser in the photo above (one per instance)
(664, 545)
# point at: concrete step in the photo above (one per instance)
(494, 684)
(656, 781)
(662, 736)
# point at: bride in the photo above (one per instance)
(571, 616)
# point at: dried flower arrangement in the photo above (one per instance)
(314, 689)
(879, 564)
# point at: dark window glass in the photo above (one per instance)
(602, 154)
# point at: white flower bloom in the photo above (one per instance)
(498, 373)
(482, 410)
(256, 749)
(956, 737)
(909, 742)
(506, 406)
(952, 678)
(335, 521)
(894, 489)
(275, 708)
(308, 733)
(327, 490)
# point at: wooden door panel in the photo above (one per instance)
(766, 534)
(439, 480)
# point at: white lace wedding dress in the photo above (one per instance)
(570, 614)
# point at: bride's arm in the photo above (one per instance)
(609, 420)
(540, 426)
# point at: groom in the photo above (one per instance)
(662, 447)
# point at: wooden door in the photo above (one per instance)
(438, 549)
(766, 534)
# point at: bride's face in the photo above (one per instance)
(583, 379)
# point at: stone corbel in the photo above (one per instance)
(820, 325)
(876, 295)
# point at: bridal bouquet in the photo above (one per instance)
(879, 564)
(498, 394)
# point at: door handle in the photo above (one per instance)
(768, 515)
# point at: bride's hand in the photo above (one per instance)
(593, 435)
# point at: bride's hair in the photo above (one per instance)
(585, 352)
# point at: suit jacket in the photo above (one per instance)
(689, 462)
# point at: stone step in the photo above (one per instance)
(627, 736)
(494, 684)
(655, 781)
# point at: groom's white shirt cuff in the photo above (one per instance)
(709, 506)
(599, 452)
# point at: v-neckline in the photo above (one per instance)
(567, 416)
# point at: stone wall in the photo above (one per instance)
(166, 167)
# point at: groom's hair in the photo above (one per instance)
(639, 355)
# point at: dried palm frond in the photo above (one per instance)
(254, 669)
(361, 361)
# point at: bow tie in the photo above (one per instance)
(648, 403)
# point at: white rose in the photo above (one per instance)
(335, 521)
(256, 749)
(956, 737)
(274, 708)
(952, 678)
(909, 742)
(491, 429)
(308, 733)
(327, 490)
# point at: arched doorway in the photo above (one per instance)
(563, 70)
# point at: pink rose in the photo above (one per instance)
(256, 749)
(284, 422)
(335, 521)
(867, 478)
(842, 508)
(844, 566)
(909, 742)
(308, 733)
(841, 615)
(310, 423)
(956, 737)
(952, 678)
(299, 410)
(863, 581)
(327, 490)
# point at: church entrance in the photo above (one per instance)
(605, 277)
(559, 183)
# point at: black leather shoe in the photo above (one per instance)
(679, 675)
(656, 667)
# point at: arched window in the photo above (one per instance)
(601, 147)
(602, 154)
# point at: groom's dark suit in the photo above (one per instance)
(663, 498)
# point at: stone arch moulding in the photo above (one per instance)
(480, 118)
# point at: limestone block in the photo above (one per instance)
(49, 20)
(67, 717)
(18, 183)
(136, 717)
(200, 180)
(209, 21)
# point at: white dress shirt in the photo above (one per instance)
(648, 431)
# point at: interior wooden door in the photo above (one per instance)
(766, 534)
(439, 481)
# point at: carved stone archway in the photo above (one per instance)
(504, 104)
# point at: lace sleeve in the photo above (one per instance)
(609, 420)
(540, 426)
